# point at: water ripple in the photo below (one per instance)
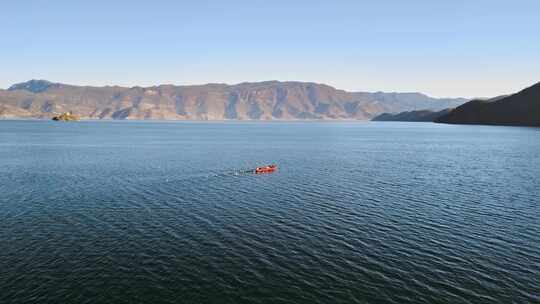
(376, 214)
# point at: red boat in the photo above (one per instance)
(266, 169)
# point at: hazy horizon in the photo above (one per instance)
(457, 49)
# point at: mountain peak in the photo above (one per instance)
(34, 85)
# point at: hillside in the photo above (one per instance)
(246, 101)
(520, 109)
(421, 115)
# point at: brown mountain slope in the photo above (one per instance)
(252, 101)
(520, 109)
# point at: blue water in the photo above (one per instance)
(161, 212)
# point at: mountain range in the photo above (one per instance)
(269, 100)
(520, 109)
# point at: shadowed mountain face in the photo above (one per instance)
(419, 116)
(246, 101)
(520, 109)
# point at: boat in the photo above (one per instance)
(266, 169)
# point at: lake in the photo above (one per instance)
(164, 212)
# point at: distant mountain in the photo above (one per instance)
(245, 101)
(34, 86)
(422, 115)
(520, 109)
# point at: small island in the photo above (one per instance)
(66, 116)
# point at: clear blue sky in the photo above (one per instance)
(443, 48)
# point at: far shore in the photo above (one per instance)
(193, 120)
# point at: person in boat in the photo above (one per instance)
(266, 169)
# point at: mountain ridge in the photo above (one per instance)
(519, 109)
(267, 100)
(412, 116)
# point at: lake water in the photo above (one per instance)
(160, 212)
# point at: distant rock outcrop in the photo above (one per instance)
(67, 116)
(418, 116)
(520, 109)
(267, 100)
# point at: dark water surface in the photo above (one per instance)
(157, 212)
